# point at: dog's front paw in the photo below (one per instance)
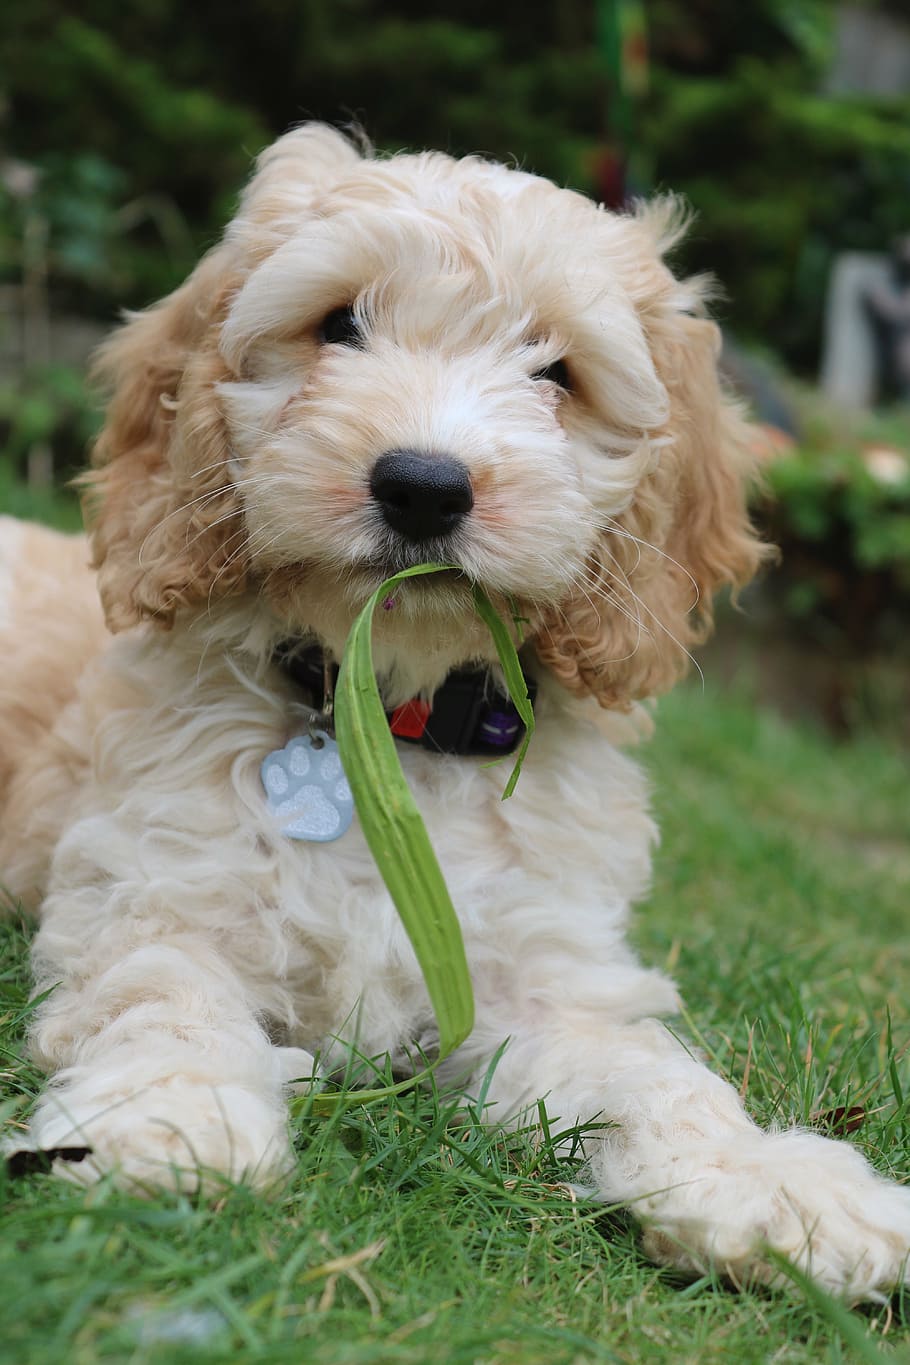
(173, 1134)
(816, 1202)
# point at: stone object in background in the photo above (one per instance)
(851, 371)
(871, 53)
(890, 308)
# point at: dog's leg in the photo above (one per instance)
(710, 1187)
(163, 1068)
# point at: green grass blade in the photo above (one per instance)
(838, 1315)
(515, 679)
(395, 832)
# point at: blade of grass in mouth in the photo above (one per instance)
(394, 830)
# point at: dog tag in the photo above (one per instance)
(306, 789)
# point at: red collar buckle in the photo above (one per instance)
(409, 720)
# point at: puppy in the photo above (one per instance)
(389, 361)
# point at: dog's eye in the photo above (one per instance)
(339, 328)
(557, 373)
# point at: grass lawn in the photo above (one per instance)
(781, 900)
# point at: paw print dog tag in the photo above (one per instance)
(306, 789)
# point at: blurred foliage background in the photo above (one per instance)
(141, 121)
(128, 131)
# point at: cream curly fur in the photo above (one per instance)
(197, 957)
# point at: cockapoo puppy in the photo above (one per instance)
(389, 361)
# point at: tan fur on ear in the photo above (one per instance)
(648, 596)
(166, 522)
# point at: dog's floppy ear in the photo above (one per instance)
(626, 633)
(163, 516)
(166, 522)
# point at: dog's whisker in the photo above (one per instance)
(232, 558)
(614, 528)
(249, 544)
(643, 606)
(613, 600)
(233, 512)
(220, 463)
(619, 533)
(252, 430)
(263, 481)
(199, 501)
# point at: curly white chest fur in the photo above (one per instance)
(175, 800)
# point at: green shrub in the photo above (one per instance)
(839, 509)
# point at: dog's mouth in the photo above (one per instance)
(447, 590)
(398, 555)
(445, 574)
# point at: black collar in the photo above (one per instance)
(468, 713)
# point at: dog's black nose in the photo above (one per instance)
(421, 496)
